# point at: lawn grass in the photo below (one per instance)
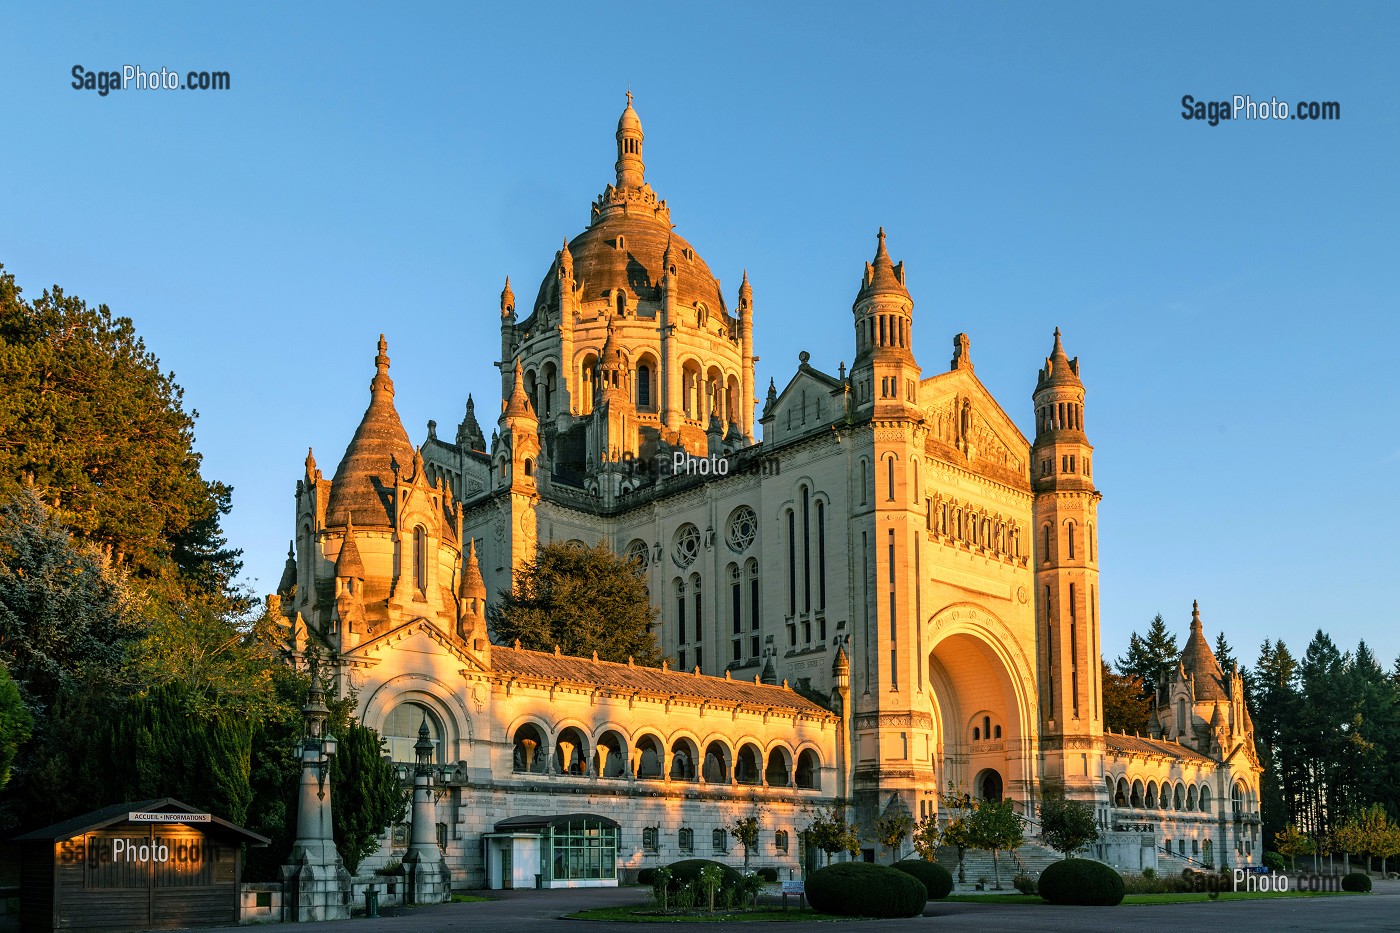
(1187, 897)
(468, 899)
(649, 914)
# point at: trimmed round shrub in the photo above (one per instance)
(688, 871)
(934, 876)
(1081, 881)
(769, 874)
(863, 889)
(1357, 881)
(1274, 862)
(646, 876)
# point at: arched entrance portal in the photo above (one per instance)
(983, 721)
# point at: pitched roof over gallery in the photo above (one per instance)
(362, 490)
(653, 680)
(1118, 743)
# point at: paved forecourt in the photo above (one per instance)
(529, 911)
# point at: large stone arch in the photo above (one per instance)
(976, 665)
(431, 693)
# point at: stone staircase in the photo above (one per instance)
(977, 863)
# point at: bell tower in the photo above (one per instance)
(885, 376)
(1067, 581)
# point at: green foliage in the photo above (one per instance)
(687, 871)
(64, 614)
(1026, 884)
(1150, 658)
(1126, 707)
(16, 724)
(893, 828)
(582, 600)
(935, 878)
(927, 836)
(1358, 882)
(89, 421)
(745, 832)
(830, 833)
(862, 889)
(366, 795)
(1081, 881)
(1274, 862)
(994, 826)
(1293, 842)
(1066, 825)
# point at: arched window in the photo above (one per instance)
(644, 386)
(821, 554)
(889, 463)
(863, 481)
(1070, 539)
(420, 558)
(1045, 546)
(792, 562)
(400, 732)
(808, 774)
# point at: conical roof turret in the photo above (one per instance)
(1059, 368)
(630, 168)
(1197, 659)
(518, 405)
(507, 301)
(882, 277)
(472, 586)
(364, 480)
(348, 564)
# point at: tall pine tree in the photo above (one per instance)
(1152, 658)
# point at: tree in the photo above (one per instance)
(1224, 653)
(64, 614)
(1152, 658)
(927, 837)
(16, 724)
(582, 600)
(893, 828)
(366, 795)
(89, 421)
(956, 831)
(1348, 837)
(1125, 705)
(830, 833)
(745, 832)
(994, 826)
(1066, 825)
(1292, 842)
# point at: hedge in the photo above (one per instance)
(863, 889)
(934, 876)
(1356, 881)
(1081, 881)
(688, 870)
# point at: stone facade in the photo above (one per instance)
(897, 589)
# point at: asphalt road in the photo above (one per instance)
(531, 911)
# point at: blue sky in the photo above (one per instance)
(1230, 290)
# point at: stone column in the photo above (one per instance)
(317, 884)
(429, 881)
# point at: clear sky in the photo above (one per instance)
(1230, 290)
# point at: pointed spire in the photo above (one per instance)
(745, 295)
(310, 466)
(882, 277)
(566, 264)
(1059, 368)
(1198, 660)
(347, 563)
(507, 301)
(471, 585)
(289, 570)
(380, 443)
(1195, 617)
(518, 405)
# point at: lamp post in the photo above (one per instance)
(427, 872)
(319, 879)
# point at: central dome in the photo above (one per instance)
(621, 253)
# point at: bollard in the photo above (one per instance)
(372, 901)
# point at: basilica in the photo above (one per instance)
(877, 589)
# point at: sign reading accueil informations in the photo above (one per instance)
(139, 817)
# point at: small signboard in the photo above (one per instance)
(794, 887)
(143, 817)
